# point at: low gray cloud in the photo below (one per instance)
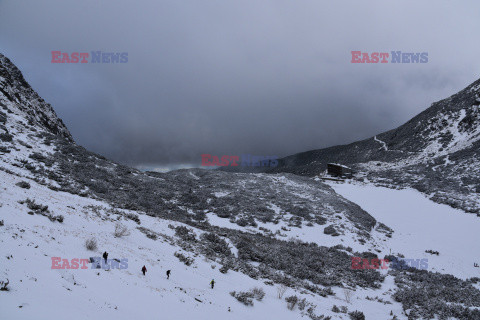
(234, 77)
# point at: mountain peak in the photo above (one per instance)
(17, 97)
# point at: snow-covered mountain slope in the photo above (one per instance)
(279, 232)
(28, 243)
(437, 152)
(31, 111)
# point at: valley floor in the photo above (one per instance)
(421, 224)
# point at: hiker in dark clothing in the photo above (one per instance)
(212, 283)
(168, 274)
(105, 256)
(144, 269)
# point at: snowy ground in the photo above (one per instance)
(28, 242)
(421, 224)
(306, 233)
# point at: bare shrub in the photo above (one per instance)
(185, 233)
(23, 184)
(53, 218)
(149, 233)
(38, 208)
(302, 304)
(91, 244)
(432, 252)
(281, 289)
(223, 269)
(133, 217)
(152, 236)
(258, 293)
(41, 210)
(348, 295)
(121, 231)
(186, 260)
(246, 297)
(243, 297)
(356, 315)
(291, 302)
(6, 137)
(3, 285)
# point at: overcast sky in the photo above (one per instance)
(233, 77)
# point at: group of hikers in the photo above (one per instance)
(144, 270)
